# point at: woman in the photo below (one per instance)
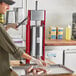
(6, 44)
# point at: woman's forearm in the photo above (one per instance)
(26, 56)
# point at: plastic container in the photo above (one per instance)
(53, 33)
(59, 33)
(68, 33)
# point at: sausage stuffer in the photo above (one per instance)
(35, 33)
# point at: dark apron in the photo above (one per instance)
(4, 63)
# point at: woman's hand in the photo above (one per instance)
(44, 63)
(12, 25)
(39, 62)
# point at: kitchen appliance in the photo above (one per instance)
(54, 55)
(15, 16)
(70, 59)
(35, 33)
(10, 17)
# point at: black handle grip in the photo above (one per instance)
(21, 22)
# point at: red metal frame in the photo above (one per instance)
(28, 35)
(43, 23)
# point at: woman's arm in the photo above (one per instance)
(26, 56)
(37, 61)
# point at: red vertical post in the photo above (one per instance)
(43, 24)
(28, 35)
